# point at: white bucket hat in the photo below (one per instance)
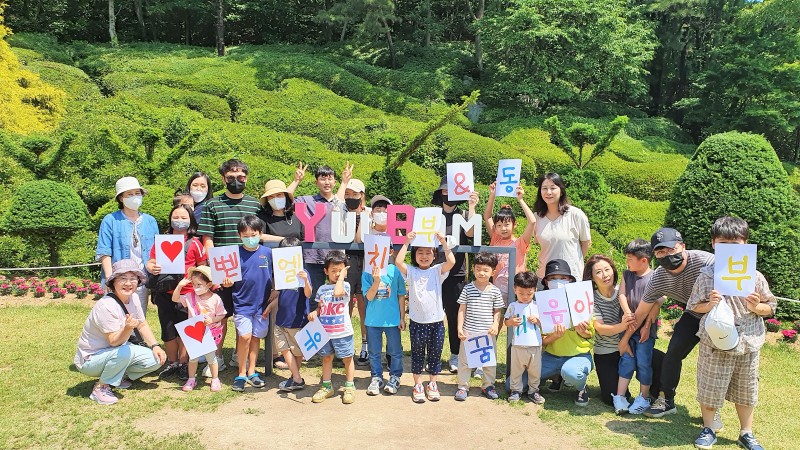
(128, 184)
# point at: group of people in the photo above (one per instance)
(433, 291)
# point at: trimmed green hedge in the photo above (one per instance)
(209, 106)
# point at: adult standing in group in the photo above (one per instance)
(314, 259)
(454, 283)
(218, 225)
(103, 347)
(562, 230)
(674, 278)
(127, 233)
(199, 187)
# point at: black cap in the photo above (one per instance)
(437, 194)
(558, 267)
(665, 237)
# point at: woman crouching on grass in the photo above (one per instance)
(103, 347)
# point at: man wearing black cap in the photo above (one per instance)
(674, 278)
(454, 283)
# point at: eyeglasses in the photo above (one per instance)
(126, 280)
(231, 179)
(662, 252)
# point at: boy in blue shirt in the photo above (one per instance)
(385, 314)
(251, 298)
(334, 314)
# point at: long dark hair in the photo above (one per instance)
(563, 201)
(195, 176)
(192, 231)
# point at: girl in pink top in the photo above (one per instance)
(201, 301)
(501, 233)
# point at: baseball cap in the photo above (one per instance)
(356, 185)
(722, 331)
(379, 198)
(665, 237)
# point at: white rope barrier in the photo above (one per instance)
(12, 269)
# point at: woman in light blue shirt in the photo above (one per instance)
(126, 233)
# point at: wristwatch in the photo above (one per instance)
(154, 345)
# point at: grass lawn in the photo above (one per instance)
(45, 399)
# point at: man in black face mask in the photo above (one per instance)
(675, 279)
(218, 227)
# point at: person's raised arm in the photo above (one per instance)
(299, 173)
(623, 299)
(307, 288)
(347, 175)
(338, 288)
(176, 293)
(449, 257)
(370, 293)
(488, 212)
(527, 234)
(400, 258)
(471, 204)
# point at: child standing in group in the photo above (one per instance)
(501, 233)
(524, 357)
(636, 347)
(385, 314)
(479, 309)
(426, 311)
(727, 364)
(251, 302)
(333, 313)
(201, 301)
(292, 315)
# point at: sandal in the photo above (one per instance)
(280, 363)
(238, 384)
(255, 381)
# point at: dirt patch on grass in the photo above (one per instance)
(269, 418)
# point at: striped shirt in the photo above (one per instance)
(749, 325)
(221, 217)
(677, 287)
(481, 305)
(608, 311)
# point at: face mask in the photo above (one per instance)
(251, 242)
(557, 284)
(200, 290)
(198, 196)
(453, 203)
(277, 203)
(132, 202)
(352, 203)
(180, 224)
(671, 262)
(380, 218)
(236, 186)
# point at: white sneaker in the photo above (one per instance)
(621, 404)
(375, 386)
(640, 405)
(478, 373)
(453, 363)
(234, 360)
(717, 425)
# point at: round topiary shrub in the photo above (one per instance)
(46, 211)
(739, 174)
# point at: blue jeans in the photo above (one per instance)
(111, 364)
(574, 369)
(394, 348)
(642, 361)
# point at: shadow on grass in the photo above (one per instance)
(663, 432)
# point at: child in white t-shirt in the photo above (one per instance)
(425, 309)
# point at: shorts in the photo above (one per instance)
(343, 347)
(285, 340)
(356, 263)
(641, 361)
(255, 325)
(168, 315)
(226, 294)
(728, 376)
